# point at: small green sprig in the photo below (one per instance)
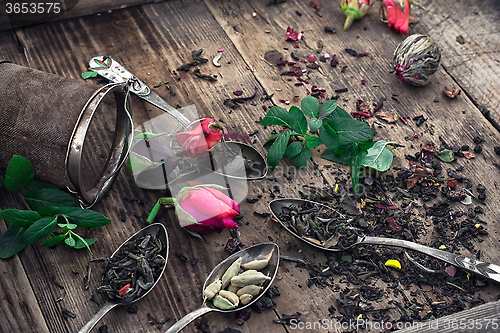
(48, 208)
(348, 141)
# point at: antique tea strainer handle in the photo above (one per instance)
(120, 148)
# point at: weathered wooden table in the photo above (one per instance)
(153, 40)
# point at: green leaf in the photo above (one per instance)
(328, 136)
(300, 160)
(299, 123)
(10, 242)
(314, 124)
(445, 155)
(38, 185)
(365, 145)
(54, 240)
(344, 150)
(70, 242)
(19, 174)
(137, 164)
(293, 149)
(313, 141)
(87, 218)
(53, 210)
(310, 106)
(327, 108)
(88, 75)
(271, 138)
(330, 155)
(351, 130)
(277, 149)
(378, 157)
(38, 230)
(277, 116)
(22, 218)
(338, 113)
(37, 199)
(81, 243)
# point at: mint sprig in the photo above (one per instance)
(52, 213)
(348, 141)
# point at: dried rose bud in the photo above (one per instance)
(354, 10)
(416, 59)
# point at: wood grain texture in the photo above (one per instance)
(475, 65)
(152, 41)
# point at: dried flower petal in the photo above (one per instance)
(293, 35)
(352, 52)
(389, 117)
(451, 93)
(451, 270)
(467, 154)
(238, 92)
(392, 224)
(393, 263)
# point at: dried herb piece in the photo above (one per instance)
(451, 93)
(207, 77)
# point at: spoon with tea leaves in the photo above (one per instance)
(237, 282)
(133, 270)
(325, 228)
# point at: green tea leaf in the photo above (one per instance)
(38, 185)
(53, 210)
(338, 113)
(365, 145)
(271, 138)
(327, 108)
(300, 160)
(81, 243)
(37, 199)
(351, 130)
(310, 106)
(314, 124)
(378, 157)
(355, 166)
(277, 116)
(70, 242)
(54, 240)
(277, 149)
(39, 230)
(344, 150)
(330, 155)
(87, 218)
(19, 174)
(313, 141)
(22, 218)
(446, 155)
(10, 243)
(328, 136)
(299, 123)
(293, 149)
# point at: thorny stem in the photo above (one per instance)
(157, 206)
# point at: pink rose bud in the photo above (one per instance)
(212, 209)
(396, 13)
(197, 141)
(354, 10)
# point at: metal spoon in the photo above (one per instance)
(161, 233)
(255, 252)
(481, 268)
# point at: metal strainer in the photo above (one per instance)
(75, 134)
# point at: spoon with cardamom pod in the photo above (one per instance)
(327, 229)
(237, 282)
(133, 270)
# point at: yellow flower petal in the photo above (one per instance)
(477, 225)
(442, 247)
(393, 263)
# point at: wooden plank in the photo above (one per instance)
(152, 41)
(254, 36)
(64, 10)
(474, 64)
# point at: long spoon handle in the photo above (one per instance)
(95, 318)
(187, 319)
(481, 268)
